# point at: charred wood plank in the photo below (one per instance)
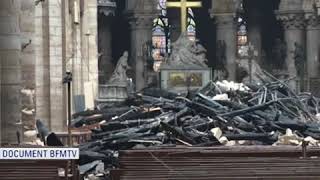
(251, 109)
(117, 125)
(252, 137)
(205, 110)
(177, 132)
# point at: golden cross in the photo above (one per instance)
(183, 5)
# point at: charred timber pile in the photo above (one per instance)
(221, 113)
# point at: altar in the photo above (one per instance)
(182, 80)
(185, 69)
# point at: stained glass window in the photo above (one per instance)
(159, 39)
(162, 7)
(161, 33)
(160, 36)
(191, 26)
(242, 42)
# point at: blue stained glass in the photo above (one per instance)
(191, 27)
(160, 35)
(162, 7)
(242, 43)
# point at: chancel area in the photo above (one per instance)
(123, 74)
(233, 39)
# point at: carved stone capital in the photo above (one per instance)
(140, 21)
(220, 7)
(292, 21)
(227, 20)
(107, 7)
(312, 21)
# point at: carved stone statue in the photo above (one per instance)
(299, 58)
(120, 73)
(279, 53)
(187, 53)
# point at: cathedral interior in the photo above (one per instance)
(160, 89)
(51, 37)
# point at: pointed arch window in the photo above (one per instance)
(242, 38)
(159, 39)
(191, 26)
(160, 35)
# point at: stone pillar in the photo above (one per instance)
(294, 32)
(42, 69)
(50, 68)
(77, 58)
(140, 14)
(105, 49)
(226, 27)
(106, 11)
(89, 43)
(291, 15)
(10, 60)
(27, 34)
(224, 13)
(27, 31)
(141, 32)
(313, 45)
(58, 120)
(254, 31)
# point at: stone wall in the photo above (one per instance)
(10, 63)
(27, 30)
(50, 64)
(89, 41)
(66, 40)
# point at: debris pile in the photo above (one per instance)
(220, 113)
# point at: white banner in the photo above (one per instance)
(39, 153)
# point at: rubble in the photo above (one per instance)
(221, 113)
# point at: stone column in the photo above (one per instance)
(140, 14)
(77, 58)
(226, 27)
(313, 45)
(58, 120)
(105, 49)
(141, 32)
(224, 13)
(254, 31)
(106, 11)
(10, 60)
(89, 43)
(294, 32)
(42, 69)
(291, 15)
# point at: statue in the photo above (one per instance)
(118, 87)
(279, 53)
(299, 58)
(120, 73)
(187, 53)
